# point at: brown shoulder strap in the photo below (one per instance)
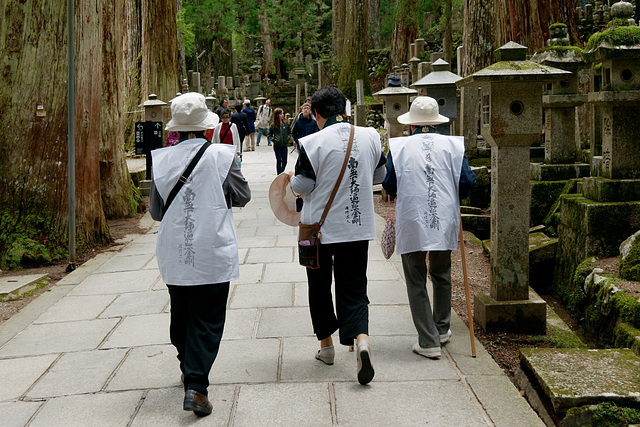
(335, 188)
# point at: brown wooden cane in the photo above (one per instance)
(466, 291)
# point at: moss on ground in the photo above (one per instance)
(630, 265)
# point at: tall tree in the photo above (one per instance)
(374, 24)
(353, 65)
(405, 30)
(447, 41)
(489, 25)
(338, 26)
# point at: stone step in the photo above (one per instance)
(574, 377)
(12, 287)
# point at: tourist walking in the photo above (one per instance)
(279, 133)
(242, 123)
(224, 103)
(250, 139)
(428, 175)
(196, 246)
(305, 125)
(227, 133)
(264, 116)
(347, 229)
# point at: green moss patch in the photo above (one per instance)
(630, 265)
(614, 37)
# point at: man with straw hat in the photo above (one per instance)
(429, 175)
(196, 246)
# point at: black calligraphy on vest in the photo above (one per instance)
(430, 217)
(187, 254)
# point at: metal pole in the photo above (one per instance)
(71, 138)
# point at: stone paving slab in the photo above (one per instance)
(154, 366)
(86, 269)
(117, 283)
(391, 320)
(249, 274)
(125, 262)
(17, 414)
(246, 362)
(285, 322)
(58, 338)
(283, 405)
(12, 284)
(89, 410)
(301, 294)
(240, 324)
(71, 308)
(270, 255)
(136, 331)
(285, 272)
(136, 303)
(416, 403)
(138, 247)
(257, 242)
(502, 401)
(163, 407)
(19, 374)
(77, 373)
(262, 295)
(387, 292)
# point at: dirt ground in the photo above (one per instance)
(502, 347)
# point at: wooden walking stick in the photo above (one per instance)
(466, 291)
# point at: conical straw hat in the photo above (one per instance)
(283, 201)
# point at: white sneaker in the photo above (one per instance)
(363, 357)
(326, 355)
(444, 338)
(430, 353)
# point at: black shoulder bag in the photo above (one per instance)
(184, 176)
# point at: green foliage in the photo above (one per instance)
(557, 25)
(186, 36)
(609, 414)
(25, 252)
(630, 266)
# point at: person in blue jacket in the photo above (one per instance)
(250, 139)
(304, 125)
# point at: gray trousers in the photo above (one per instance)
(429, 324)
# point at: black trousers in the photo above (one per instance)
(348, 263)
(197, 322)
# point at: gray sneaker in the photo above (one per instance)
(444, 338)
(430, 353)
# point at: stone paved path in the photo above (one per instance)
(95, 350)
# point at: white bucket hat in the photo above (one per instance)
(424, 111)
(189, 112)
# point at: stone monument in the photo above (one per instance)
(511, 120)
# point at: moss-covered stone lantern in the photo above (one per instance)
(440, 84)
(511, 120)
(560, 99)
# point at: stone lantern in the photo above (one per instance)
(440, 84)
(560, 99)
(260, 100)
(511, 120)
(152, 109)
(395, 101)
(210, 101)
(413, 65)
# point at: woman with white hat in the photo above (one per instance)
(429, 175)
(196, 246)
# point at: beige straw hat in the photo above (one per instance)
(283, 201)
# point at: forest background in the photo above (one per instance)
(127, 49)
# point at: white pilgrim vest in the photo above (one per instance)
(427, 207)
(196, 241)
(351, 216)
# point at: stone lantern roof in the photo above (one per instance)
(399, 90)
(513, 66)
(439, 76)
(153, 101)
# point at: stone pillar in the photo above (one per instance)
(511, 119)
(324, 74)
(424, 68)
(298, 96)
(435, 56)
(229, 83)
(413, 66)
(360, 109)
(185, 86)
(234, 55)
(459, 53)
(420, 43)
(469, 116)
(222, 86)
(412, 50)
(195, 78)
